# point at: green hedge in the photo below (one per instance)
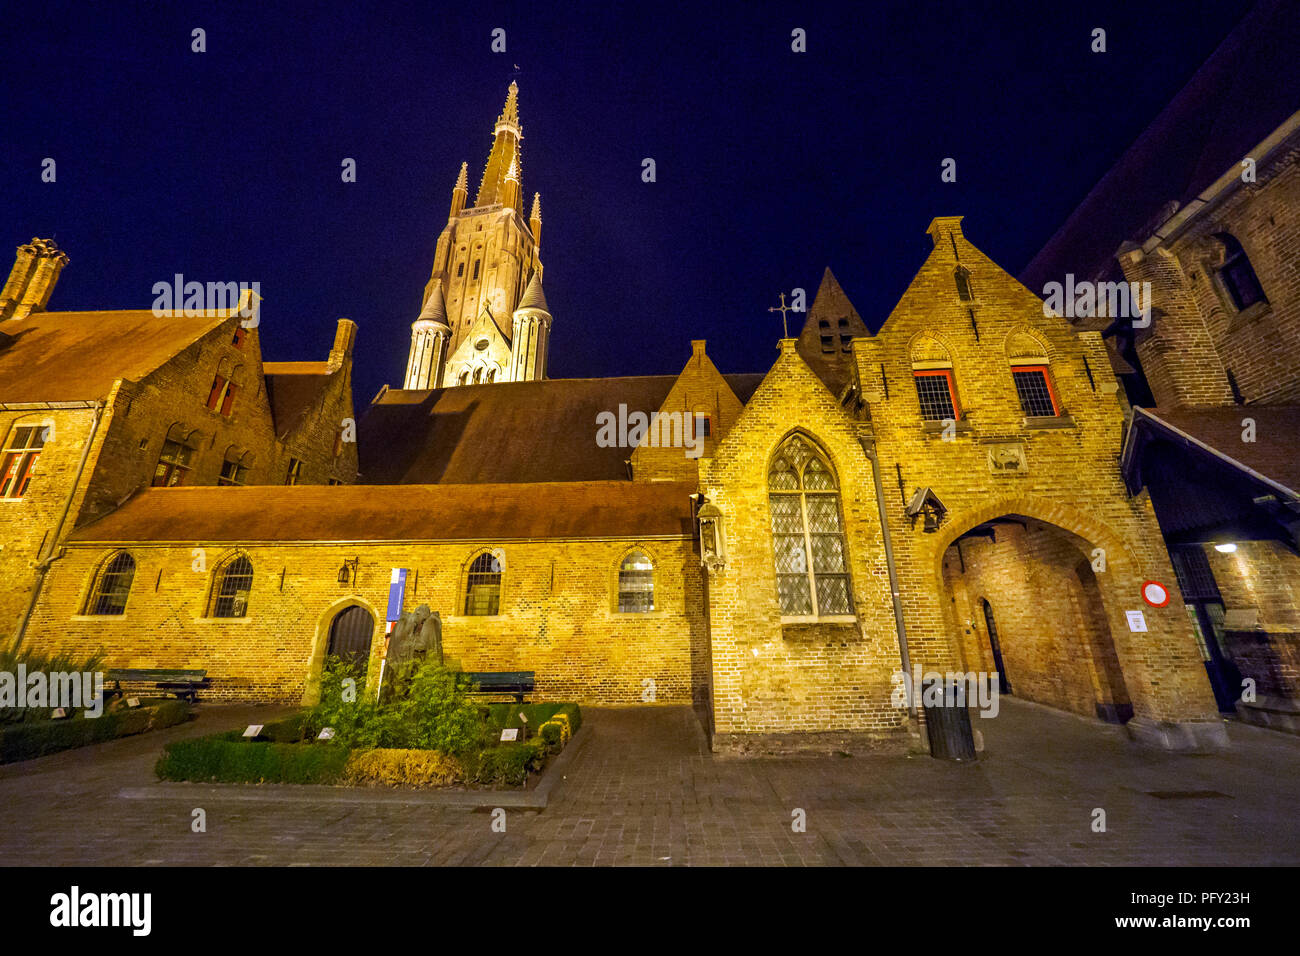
(24, 741)
(507, 764)
(507, 715)
(220, 759)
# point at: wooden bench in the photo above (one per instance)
(183, 683)
(517, 683)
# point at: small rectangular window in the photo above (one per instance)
(173, 465)
(476, 265)
(232, 473)
(238, 340)
(460, 270)
(295, 472)
(1035, 390)
(217, 393)
(938, 397)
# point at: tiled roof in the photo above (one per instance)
(399, 513)
(77, 356)
(831, 306)
(507, 432)
(293, 388)
(1246, 89)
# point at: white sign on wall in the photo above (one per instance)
(1136, 622)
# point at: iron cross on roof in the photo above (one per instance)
(783, 309)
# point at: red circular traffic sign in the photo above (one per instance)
(1155, 593)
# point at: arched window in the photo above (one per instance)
(935, 388)
(231, 584)
(112, 585)
(636, 584)
(464, 377)
(1237, 276)
(492, 374)
(962, 278)
(807, 534)
(483, 586)
(478, 374)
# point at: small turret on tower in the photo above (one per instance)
(532, 335)
(460, 192)
(429, 335)
(535, 219)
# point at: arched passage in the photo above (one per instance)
(1026, 606)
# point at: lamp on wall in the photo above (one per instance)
(926, 504)
(349, 570)
(712, 545)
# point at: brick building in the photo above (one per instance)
(775, 548)
(1205, 209)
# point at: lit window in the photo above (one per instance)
(295, 472)
(808, 539)
(222, 396)
(173, 464)
(112, 586)
(636, 584)
(483, 586)
(20, 455)
(492, 374)
(1037, 397)
(934, 388)
(231, 585)
(464, 377)
(1237, 275)
(478, 374)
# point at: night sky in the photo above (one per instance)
(225, 165)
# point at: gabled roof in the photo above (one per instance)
(1246, 89)
(77, 356)
(398, 513)
(292, 389)
(542, 431)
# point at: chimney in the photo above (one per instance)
(345, 335)
(36, 269)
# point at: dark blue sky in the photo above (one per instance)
(771, 165)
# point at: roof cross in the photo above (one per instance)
(783, 309)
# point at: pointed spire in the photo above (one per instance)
(535, 219)
(533, 296)
(435, 309)
(462, 180)
(460, 192)
(512, 174)
(537, 207)
(504, 154)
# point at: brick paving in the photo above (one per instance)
(645, 791)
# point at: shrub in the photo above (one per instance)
(508, 764)
(31, 738)
(552, 734)
(222, 760)
(13, 654)
(409, 768)
(169, 714)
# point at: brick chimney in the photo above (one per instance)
(345, 336)
(36, 269)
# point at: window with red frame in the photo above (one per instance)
(934, 388)
(238, 340)
(1034, 385)
(222, 396)
(173, 464)
(21, 452)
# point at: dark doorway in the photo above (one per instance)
(350, 636)
(1004, 685)
(1205, 609)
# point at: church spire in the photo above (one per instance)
(460, 192)
(535, 219)
(505, 152)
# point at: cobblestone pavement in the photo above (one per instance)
(646, 791)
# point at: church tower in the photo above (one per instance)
(484, 317)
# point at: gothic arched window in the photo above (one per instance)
(483, 586)
(636, 584)
(812, 574)
(231, 584)
(112, 585)
(478, 374)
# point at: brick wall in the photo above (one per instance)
(558, 616)
(1261, 581)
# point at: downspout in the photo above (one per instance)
(913, 723)
(43, 564)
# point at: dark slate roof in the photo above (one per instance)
(398, 513)
(293, 388)
(1217, 431)
(77, 356)
(831, 305)
(507, 431)
(1247, 88)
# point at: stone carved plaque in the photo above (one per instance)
(1007, 458)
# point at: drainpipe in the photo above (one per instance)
(868, 448)
(43, 565)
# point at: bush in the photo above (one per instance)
(13, 654)
(169, 714)
(508, 764)
(429, 711)
(552, 734)
(408, 768)
(219, 759)
(29, 739)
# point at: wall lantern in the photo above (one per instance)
(712, 545)
(349, 566)
(1225, 548)
(926, 504)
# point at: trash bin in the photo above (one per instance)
(948, 723)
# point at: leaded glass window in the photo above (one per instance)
(483, 586)
(636, 584)
(112, 586)
(812, 576)
(234, 580)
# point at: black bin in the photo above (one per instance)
(948, 723)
